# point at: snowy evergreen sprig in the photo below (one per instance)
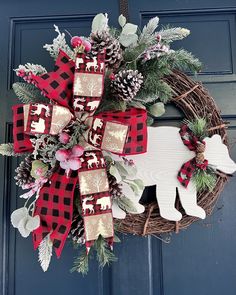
(173, 34)
(147, 34)
(45, 252)
(59, 43)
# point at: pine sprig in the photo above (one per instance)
(173, 34)
(45, 252)
(28, 93)
(198, 127)
(148, 30)
(181, 60)
(103, 254)
(204, 179)
(81, 263)
(7, 149)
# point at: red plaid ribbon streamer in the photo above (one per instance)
(191, 141)
(119, 132)
(21, 140)
(55, 208)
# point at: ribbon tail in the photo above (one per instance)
(22, 142)
(95, 199)
(55, 208)
(186, 172)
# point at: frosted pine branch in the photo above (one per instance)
(7, 149)
(173, 34)
(28, 93)
(59, 43)
(45, 252)
(148, 30)
(29, 69)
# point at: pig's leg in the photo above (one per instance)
(188, 198)
(166, 195)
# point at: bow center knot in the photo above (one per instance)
(200, 152)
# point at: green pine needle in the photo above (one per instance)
(7, 149)
(103, 254)
(81, 263)
(198, 127)
(204, 179)
(28, 93)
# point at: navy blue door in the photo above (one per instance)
(198, 261)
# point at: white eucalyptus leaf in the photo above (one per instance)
(18, 215)
(122, 20)
(114, 171)
(99, 23)
(157, 109)
(129, 29)
(22, 228)
(117, 212)
(128, 40)
(32, 223)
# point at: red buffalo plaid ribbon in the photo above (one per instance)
(76, 89)
(192, 142)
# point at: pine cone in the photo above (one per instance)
(114, 187)
(23, 172)
(126, 84)
(77, 228)
(103, 40)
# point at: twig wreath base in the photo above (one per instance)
(195, 102)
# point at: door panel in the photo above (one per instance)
(197, 261)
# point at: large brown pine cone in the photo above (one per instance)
(126, 84)
(103, 40)
(23, 172)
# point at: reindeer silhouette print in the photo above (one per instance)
(91, 64)
(92, 161)
(86, 206)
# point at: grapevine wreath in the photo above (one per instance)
(83, 130)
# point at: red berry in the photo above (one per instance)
(62, 155)
(77, 150)
(74, 163)
(112, 76)
(76, 41)
(64, 137)
(87, 45)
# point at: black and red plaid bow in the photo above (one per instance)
(76, 90)
(192, 142)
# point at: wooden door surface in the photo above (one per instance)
(197, 261)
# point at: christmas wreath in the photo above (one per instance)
(88, 151)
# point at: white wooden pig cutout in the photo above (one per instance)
(160, 165)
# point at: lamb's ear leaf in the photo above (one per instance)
(18, 215)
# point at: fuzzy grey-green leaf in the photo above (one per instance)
(99, 23)
(157, 109)
(129, 29)
(122, 20)
(127, 40)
